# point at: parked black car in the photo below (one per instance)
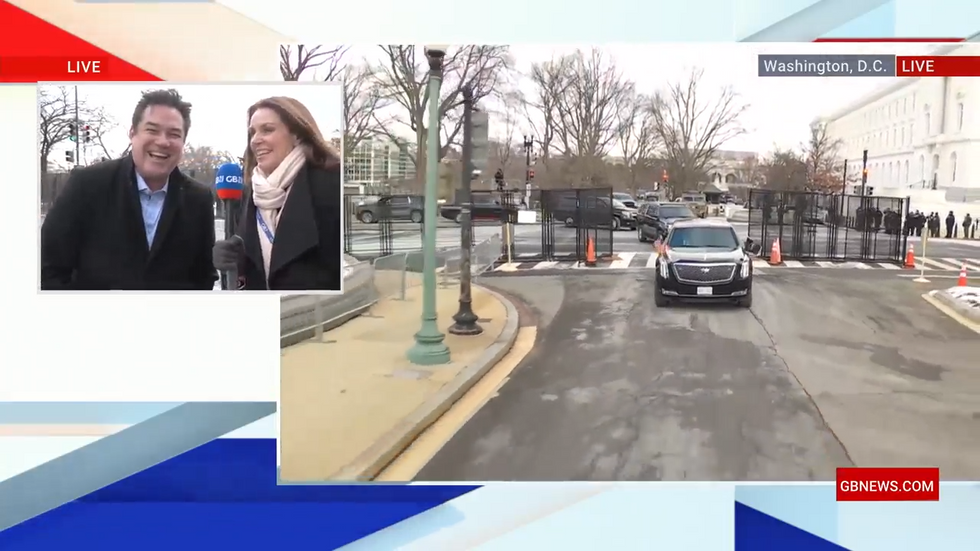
(399, 208)
(482, 209)
(703, 259)
(653, 220)
(595, 212)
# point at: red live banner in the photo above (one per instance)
(888, 484)
(937, 66)
(57, 69)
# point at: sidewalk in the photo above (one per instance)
(349, 404)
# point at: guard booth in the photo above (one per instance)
(571, 219)
(835, 227)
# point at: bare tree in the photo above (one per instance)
(784, 170)
(503, 149)
(550, 80)
(638, 138)
(693, 128)
(824, 170)
(402, 80)
(58, 112)
(296, 60)
(361, 92)
(202, 162)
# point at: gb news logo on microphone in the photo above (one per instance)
(229, 183)
(888, 484)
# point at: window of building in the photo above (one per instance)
(906, 171)
(928, 123)
(894, 137)
(903, 135)
(913, 102)
(905, 106)
(959, 117)
(952, 167)
(922, 168)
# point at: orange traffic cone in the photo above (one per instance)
(775, 255)
(910, 257)
(961, 282)
(590, 253)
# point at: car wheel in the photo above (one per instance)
(615, 223)
(569, 222)
(366, 217)
(417, 216)
(746, 301)
(639, 235)
(459, 218)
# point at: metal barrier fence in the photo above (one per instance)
(382, 226)
(303, 317)
(571, 218)
(818, 226)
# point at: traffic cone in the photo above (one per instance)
(590, 253)
(775, 254)
(961, 282)
(910, 257)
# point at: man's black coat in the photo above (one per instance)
(93, 238)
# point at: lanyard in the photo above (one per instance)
(265, 229)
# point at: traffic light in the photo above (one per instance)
(864, 174)
(530, 174)
(69, 156)
(87, 133)
(664, 176)
(72, 132)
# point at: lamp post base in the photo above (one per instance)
(429, 347)
(466, 321)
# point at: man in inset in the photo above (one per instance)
(135, 223)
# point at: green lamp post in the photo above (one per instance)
(430, 347)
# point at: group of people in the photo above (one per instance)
(933, 225)
(139, 223)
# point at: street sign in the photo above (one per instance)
(481, 140)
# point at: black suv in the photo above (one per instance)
(654, 219)
(394, 207)
(703, 259)
(593, 212)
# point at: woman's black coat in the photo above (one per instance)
(306, 254)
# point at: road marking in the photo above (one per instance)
(965, 262)
(950, 312)
(793, 264)
(758, 263)
(861, 266)
(825, 264)
(544, 265)
(972, 263)
(623, 261)
(889, 266)
(408, 464)
(938, 265)
(509, 267)
(652, 261)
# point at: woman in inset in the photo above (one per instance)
(289, 238)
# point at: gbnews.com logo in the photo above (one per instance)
(887, 484)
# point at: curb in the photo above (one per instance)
(944, 298)
(379, 455)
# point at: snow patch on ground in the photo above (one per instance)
(969, 296)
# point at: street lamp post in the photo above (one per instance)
(430, 347)
(466, 319)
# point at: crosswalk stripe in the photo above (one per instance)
(972, 263)
(825, 264)
(793, 263)
(622, 262)
(509, 267)
(652, 261)
(759, 263)
(889, 266)
(939, 265)
(861, 266)
(544, 265)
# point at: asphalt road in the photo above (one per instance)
(822, 372)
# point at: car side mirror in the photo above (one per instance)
(752, 248)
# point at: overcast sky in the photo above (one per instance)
(219, 112)
(781, 109)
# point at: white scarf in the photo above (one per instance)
(269, 194)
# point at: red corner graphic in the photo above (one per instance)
(33, 50)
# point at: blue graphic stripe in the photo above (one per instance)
(81, 413)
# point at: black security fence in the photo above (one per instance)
(571, 219)
(382, 225)
(819, 226)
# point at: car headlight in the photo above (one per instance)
(746, 269)
(664, 269)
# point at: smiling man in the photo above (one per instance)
(135, 223)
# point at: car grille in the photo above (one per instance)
(704, 274)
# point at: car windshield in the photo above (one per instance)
(618, 204)
(675, 211)
(622, 196)
(703, 238)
